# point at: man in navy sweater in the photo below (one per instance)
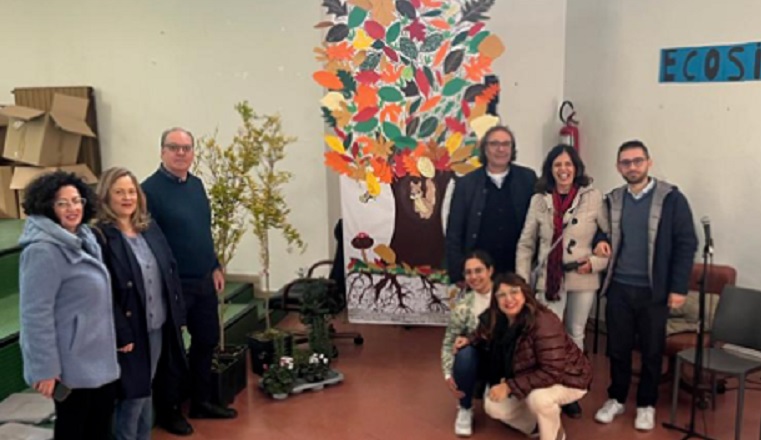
(177, 201)
(652, 249)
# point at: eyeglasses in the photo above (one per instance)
(174, 148)
(66, 204)
(497, 144)
(637, 161)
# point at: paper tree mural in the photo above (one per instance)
(405, 83)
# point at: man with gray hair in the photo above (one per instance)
(178, 203)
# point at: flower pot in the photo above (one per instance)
(263, 351)
(228, 374)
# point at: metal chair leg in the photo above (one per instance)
(740, 404)
(675, 387)
(714, 386)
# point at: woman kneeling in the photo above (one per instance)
(533, 366)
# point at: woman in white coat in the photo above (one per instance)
(558, 237)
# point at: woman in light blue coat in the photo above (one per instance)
(68, 340)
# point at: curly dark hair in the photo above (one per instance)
(40, 194)
(546, 182)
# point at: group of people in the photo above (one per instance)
(530, 253)
(103, 303)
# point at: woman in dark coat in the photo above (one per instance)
(148, 307)
(532, 365)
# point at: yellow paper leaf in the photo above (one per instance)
(475, 161)
(482, 124)
(491, 47)
(342, 116)
(333, 100)
(335, 144)
(359, 58)
(462, 168)
(361, 40)
(385, 253)
(373, 185)
(453, 143)
(478, 110)
(462, 153)
(426, 168)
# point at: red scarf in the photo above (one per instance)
(555, 260)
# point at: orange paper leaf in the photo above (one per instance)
(429, 104)
(440, 24)
(488, 94)
(337, 163)
(342, 51)
(382, 169)
(329, 80)
(441, 53)
(390, 113)
(432, 3)
(367, 96)
(477, 68)
(383, 11)
(410, 164)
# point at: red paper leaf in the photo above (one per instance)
(439, 78)
(442, 163)
(416, 30)
(465, 109)
(415, 3)
(340, 133)
(367, 77)
(424, 270)
(476, 28)
(366, 114)
(375, 30)
(391, 54)
(422, 82)
(355, 149)
(399, 170)
(455, 125)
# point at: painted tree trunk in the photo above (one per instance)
(418, 238)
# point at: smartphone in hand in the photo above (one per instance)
(60, 392)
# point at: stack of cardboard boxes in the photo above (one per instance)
(41, 140)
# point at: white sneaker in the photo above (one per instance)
(645, 420)
(610, 409)
(463, 426)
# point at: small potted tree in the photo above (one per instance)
(226, 172)
(269, 212)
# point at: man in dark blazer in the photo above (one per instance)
(489, 205)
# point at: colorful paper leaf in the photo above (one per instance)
(430, 103)
(431, 43)
(385, 253)
(335, 7)
(491, 47)
(367, 126)
(422, 82)
(357, 17)
(390, 94)
(375, 29)
(454, 142)
(416, 29)
(365, 114)
(337, 163)
(408, 48)
(367, 96)
(476, 41)
(454, 86)
(453, 61)
(382, 169)
(391, 131)
(391, 113)
(335, 144)
(405, 142)
(337, 33)
(367, 77)
(373, 185)
(383, 11)
(428, 126)
(329, 80)
(474, 10)
(406, 9)
(393, 32)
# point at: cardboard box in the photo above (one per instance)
(23, 176)
(46, 139)
(20, 199)
(8, 201)
(41, 98)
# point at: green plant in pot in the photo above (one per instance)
(268, 208)
(317, 308)
(279, 377)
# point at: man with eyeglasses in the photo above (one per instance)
(489, 205)
(652, 247)
(177, 201)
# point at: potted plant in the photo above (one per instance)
(279, 377)
(226, 172)
(268, 212)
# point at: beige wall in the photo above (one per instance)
(160, 64)
(703, 137)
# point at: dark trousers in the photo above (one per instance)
(86, 414)
(465, 374)
(203, 326)
(631, 313)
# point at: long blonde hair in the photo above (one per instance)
(140, 219)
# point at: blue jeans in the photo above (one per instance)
(134, 417)
(465, 374)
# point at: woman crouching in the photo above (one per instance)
(532, 365)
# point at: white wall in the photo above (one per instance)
(531, 72)
(703, 137)
(160, 64)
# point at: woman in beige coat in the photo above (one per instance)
(563, 219)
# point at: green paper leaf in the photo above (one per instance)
(367, 126)
(428, 127)
(391, 131)
(416, 105)
(476, 41)
(408, 48)
(408, 73)
(357, 17)
(371, 62)
(459, 38)
(390, 94)
(350, 85)
(454, 86)
(393, 32)
(328, 117)
(449, 107)
(405, 142)
(432, 42)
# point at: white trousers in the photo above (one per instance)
(541, 406)
(573, 309)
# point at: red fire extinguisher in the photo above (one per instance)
(569, 134)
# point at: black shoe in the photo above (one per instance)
(208, 410)
(572, 410)
(174, 422)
